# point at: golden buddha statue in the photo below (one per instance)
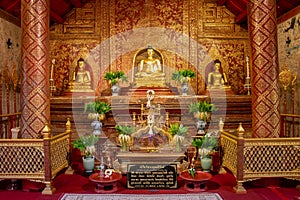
(150, 72)
(217, 79)
(81, 78)
(150, 66)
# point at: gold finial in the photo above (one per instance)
(68, 124)
(46, 131)
(240, 128)
(221, 125)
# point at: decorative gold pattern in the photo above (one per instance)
(35, 69)
(229, 147)
(286, 77)
(276, 160)
(20, 159)
(59, 153)
(265, 90)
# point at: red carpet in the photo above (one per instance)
(220, 183)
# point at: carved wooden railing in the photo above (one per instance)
(7, 122)
(36, 159)
(254, 158)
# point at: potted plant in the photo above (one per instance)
(114, 78)
(183, 77)
(86, 145)
(124, 135)
(202, 110)
(178, 132)
(97, 111)
(206, 145)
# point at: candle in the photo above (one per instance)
(52, 69)
(247, 66)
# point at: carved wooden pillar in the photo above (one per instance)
(35, 92)
(265, 72)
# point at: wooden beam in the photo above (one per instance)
(55, 17)
(221, 2)
(76, 3)
(288, 15)
(285, 4)
(242, 17)
(235, 5)
(10, 18)
(12, 5)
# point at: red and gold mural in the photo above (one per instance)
(190, 34)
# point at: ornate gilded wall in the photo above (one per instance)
(189, 33)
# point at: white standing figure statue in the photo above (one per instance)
(150, 97)
(150, 117)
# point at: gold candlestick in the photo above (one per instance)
(247, 84)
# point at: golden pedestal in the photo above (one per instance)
(150, 81)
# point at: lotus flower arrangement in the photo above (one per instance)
(124, 135)
(178, 132)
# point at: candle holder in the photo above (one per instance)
(247, 85)
(52, 87)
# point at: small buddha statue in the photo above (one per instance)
(81, 75)
(216, 79)
(81, 78)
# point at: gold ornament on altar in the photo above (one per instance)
(150, 127)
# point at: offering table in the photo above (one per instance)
(126, 158)
(106, 185)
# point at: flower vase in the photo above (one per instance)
(184, 88)
(97, 127)
(88, 163)
(115, 89)
(206, 163)
(178, 146)
(201, 126)
(124, 146)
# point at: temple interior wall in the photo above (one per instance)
(288, 32)
(189, 34)
(10, 64)
(110, 33)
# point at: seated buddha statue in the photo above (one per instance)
(81, 78)
(150, 70)
(216, 79)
